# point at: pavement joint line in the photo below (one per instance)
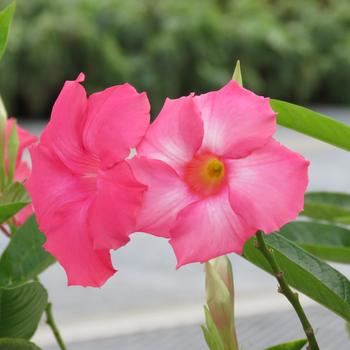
(167, 318)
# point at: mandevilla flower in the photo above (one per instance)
(215, 175)
(84, 193)
(22, 170)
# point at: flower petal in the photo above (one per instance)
(236, 121)
(72, 246)
(207, 229)
(117, 121)
(176, 134)
(63, 133)
(165, 197)
(52, 187)
(267, 187)
(112, 216)
(61, 204)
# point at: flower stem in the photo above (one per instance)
(287, 291)
(51, 322)
(5, 231)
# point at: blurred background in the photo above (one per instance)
(293, 50)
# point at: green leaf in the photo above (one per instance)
(237, 75)
(12, 150)
(312, 123)
(21, 309)
(16, 344)
(24, 258)
(12, 200)
(211, 334)
(305, 272)
(294, 345)
(330, 206)
(6, 16)
(326, 241)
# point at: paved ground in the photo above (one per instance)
(255, 333)
(148, 294)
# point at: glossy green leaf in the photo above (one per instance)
(326, 241)
(237, 75)
(24, 258)
(6, 16)
(305, 272)
(17, 344)
(12, 200)
(12, 150)
(21, 309)
(312, 123)
(330, 206)
(294, 345)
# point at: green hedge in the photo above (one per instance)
(297, 50)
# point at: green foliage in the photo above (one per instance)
(5, 23)
(16, 344)
(329, 206)
(291, 50)
(312, 123)
(21, 309)
(294, 345)
(305, 272)
(24, 258)
(326, 241)
(12, 200)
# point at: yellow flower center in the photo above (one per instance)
(205, 174)
(214, 169)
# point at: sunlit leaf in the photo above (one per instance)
(312, 123)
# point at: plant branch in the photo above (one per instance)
(51, 322)
(287, 291)
(5, 231)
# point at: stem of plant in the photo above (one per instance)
(287, 291)
(5, 231)
(51, 322)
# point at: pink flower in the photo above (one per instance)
(215, 175)
(22, 170)
(84, 193)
